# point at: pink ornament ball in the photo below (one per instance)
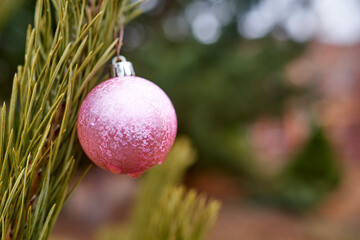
(127, 125)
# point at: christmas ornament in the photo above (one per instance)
(126, 124)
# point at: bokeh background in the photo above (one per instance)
(268, 93)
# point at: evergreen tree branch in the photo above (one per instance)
(37, 132)
(181, 214)
(154, 183)
(166, 212)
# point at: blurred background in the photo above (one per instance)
(268, 92)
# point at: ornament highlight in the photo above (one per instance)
(126, 124)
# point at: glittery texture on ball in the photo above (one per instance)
(127, 125)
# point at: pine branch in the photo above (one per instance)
(163, 211)
(37, 132)
(182, 214)
(156, 180)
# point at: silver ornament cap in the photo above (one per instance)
(121, 67)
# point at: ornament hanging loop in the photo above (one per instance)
(121, 67)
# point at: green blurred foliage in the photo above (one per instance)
(12, 41)
(307, 179)
(311, 175)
